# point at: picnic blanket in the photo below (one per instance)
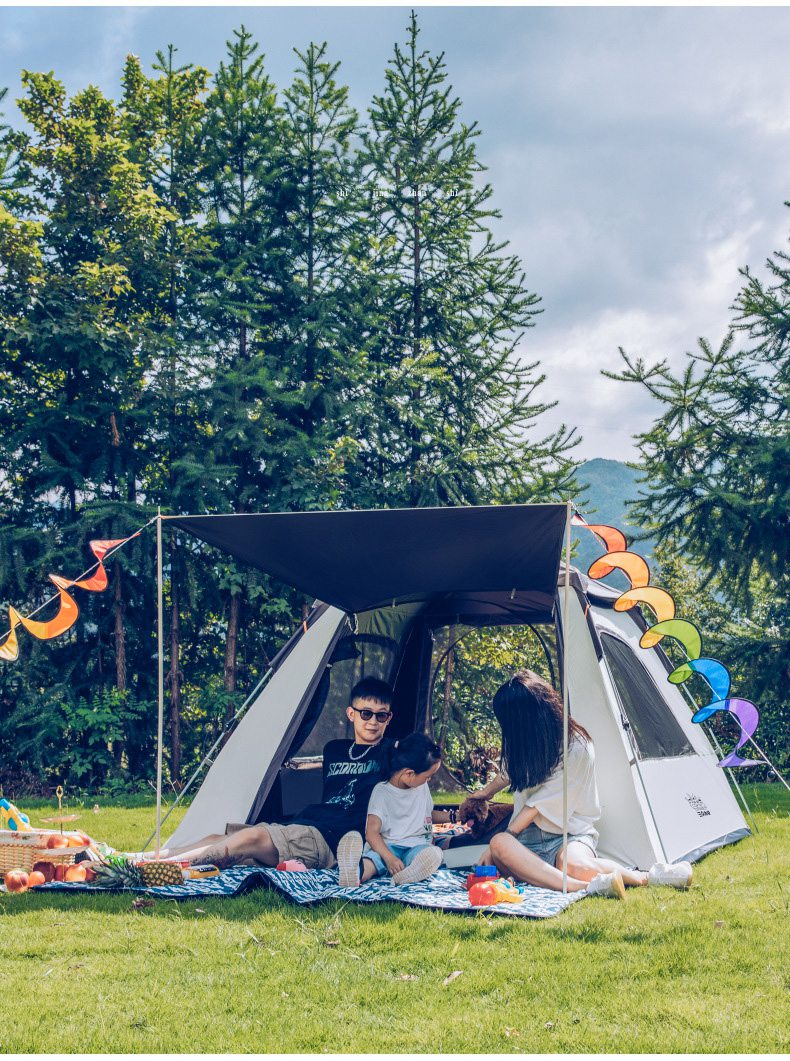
(443, 891)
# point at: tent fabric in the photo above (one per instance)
(359, 560)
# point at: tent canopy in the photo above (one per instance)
(360, 560)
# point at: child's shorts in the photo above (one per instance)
(548, 845)
(405, 854)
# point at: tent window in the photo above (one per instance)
(657, 733)
(325, 719)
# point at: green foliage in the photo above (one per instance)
(218, 297)
(468, 666)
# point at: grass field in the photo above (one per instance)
(703, 971)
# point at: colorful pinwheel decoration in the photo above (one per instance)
(634, 567)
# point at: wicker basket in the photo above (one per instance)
(23, 850)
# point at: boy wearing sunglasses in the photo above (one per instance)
(352, 768)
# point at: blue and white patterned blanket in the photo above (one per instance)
(443, 891)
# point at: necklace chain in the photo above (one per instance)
(359, 758)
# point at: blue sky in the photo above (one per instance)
(639, 156)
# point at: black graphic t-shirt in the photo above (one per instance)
(351, 771)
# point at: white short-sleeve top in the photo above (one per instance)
(584, 808)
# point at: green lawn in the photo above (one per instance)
(703, 971)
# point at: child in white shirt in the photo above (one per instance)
(400, 814)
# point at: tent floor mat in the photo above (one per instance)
(443, 891)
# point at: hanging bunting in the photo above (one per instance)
(618, 557)
(68, 612)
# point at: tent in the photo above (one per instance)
(386, 582)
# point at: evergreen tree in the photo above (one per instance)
(322, 329)
(451, 406)
(163, 115)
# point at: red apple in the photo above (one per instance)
(36, 878)
(60, 872)
(75, 873)
(90, 872)
(76, 841)
(46, 869)
(56, 840)
(16, 880)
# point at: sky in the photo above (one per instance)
(639, 156)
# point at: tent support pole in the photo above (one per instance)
(565, 699)
(161, 682)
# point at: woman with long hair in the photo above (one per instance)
(529, 712)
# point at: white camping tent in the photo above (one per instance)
(663, 796)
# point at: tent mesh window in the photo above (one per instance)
(366, 655)
(657, 733)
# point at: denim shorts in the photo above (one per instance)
(548, 845)
(405, 854)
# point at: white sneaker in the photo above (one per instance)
(671, 874)
(424, 864)
(349, 852)
(609, 885)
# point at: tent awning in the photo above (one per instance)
(359, 560)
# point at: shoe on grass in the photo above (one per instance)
(349, 852)
(424, 864)
(609, 885)
(671, 874)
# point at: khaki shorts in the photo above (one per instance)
(304, 842)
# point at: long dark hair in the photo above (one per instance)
(529, 712)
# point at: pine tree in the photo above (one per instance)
(322, 326)
(451, 406)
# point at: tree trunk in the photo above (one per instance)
(174, 679)
(232, 642)
(120, 631)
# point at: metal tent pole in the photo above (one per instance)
(565, 648)
(160, 641)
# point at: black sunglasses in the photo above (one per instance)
(366, 715)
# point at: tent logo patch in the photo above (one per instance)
(697, 804)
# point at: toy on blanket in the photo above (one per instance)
(481, 875)
(292, 865)
(499, 891)
(13, 819)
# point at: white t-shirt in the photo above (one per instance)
(584, 807)
(405, 813)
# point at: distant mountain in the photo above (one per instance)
(611, 485)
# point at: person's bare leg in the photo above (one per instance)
(584, 865)
(253, 842)
(186, 852)
(368, 870)
(514, 860)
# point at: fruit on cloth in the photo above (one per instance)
(35, 877)
(60, 872)
(16, 880)
(46, 869)
(75, 873)
(56, 840)
(90, 872)
(159, 874)
(118, 872)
